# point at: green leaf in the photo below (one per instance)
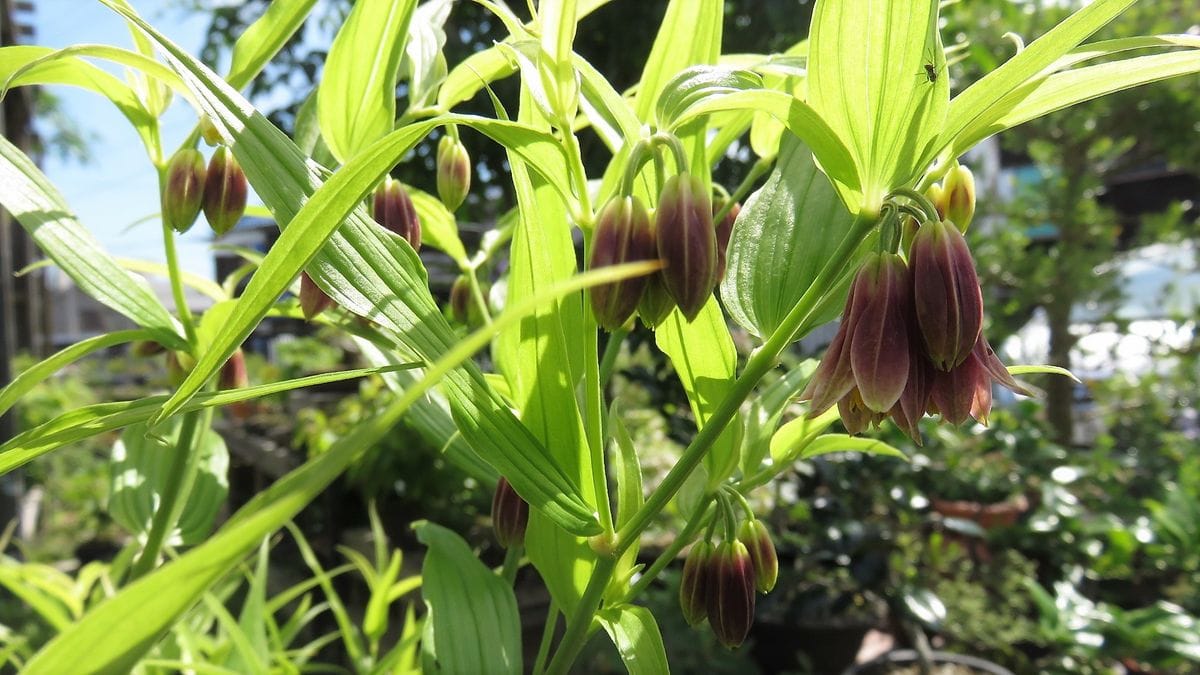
(704, 358)
(794, 437)
(608, 112)
(42, 370)
(1068, 88)
(472, 74)
(689, 35)
(783, 237)
(692, 85)
(978, 105)
(264, 38)
(830, 443)
(473, 619)
(635, 633)
(424, 65)
(88, 421)
(542, 359)
(627, 471)
(1049, 370)
(867, 80)
(32, 199)
(356, 102)
(138, 475)
(800, 119)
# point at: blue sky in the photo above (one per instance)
(118, 186)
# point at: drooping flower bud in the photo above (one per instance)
(623, 235)
(453, 172)
(656, 303)
(233, 376)
(183, 190)
(224, 191)
(145, 348)
(313, 300)
(913, 403)
(393, 209)
(179, 364)
(959, 196)
(754, 536)
(460, 299)
(510, 514)
(879, 346)
(693, 584)
(948, 301)
(209, 131)
(954, 392)
(687, 242)
(937, 195)
(724, 232)
(731, 593)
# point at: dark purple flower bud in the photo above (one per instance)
(724, 232)
(510, 514)
(687, 242)
(183, 190)
(954, 393)
(453, 172)
(233, 376)
(949, 304)
(879, 345)
(623, 235)
(913, 403)
(460, 299)
(224, 191)
(313, 300)
(834, 377)
(754, 536)
(996, 369)
(656, 303)
(146, 348)
(693, 584)
(393, 209)
(958, 195)
(731, 593)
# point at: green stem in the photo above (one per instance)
(611, 351)
(762, 166)
(477, 295)
(180, 476)
(919, 199)
(760, 364)
(539, 664)
(579, 621)
(685, 536)
(741, 500)
(181, 306)
(676, 146)
(637, 157)
(585, 217)
(512, 562)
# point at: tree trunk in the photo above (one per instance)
(1060, 390)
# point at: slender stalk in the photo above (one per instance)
(512, 562)
(762, 361)
(477, 295)
(539, 664)
(180, 476)
(611, 351)
(181, 306)
(694, 525)
(577, 624)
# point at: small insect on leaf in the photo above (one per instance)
(931, 73)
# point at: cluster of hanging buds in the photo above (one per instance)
(681, 234)
(911, 341)
(510, 515)
(719, 582)
(219, 190)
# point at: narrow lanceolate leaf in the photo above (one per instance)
(977, 103)
(356, 103)
(635, 633)
(704, 358)
(867, 78)
(370, 272)
(829, 443)
(39, 372)
(265, 37)
(783, 237)
(32, 199)
(473, 625)
(88, 421)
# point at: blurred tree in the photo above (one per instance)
(1077, 153)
